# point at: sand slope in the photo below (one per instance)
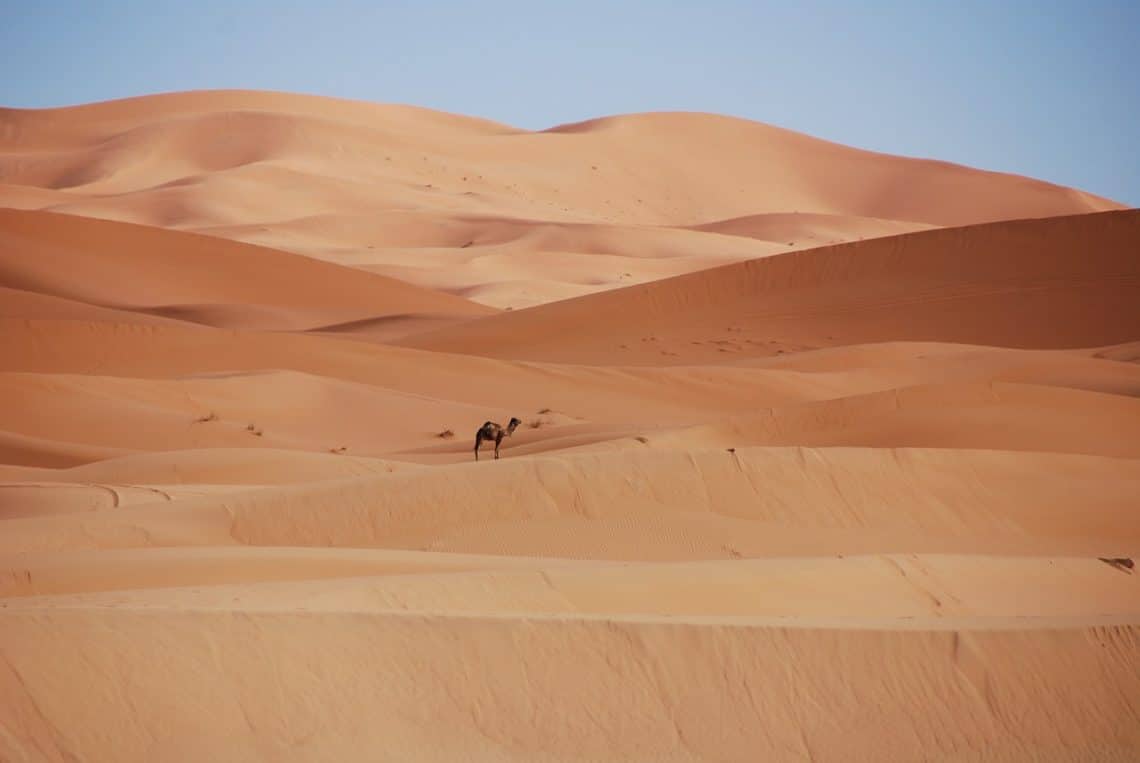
(1063, 282)
(531, 689)
(779, 493)
(192, 278)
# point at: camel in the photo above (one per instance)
(492, 431)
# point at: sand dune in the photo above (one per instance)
(927, 586)
(1056, 283)
(996, 415)
(30, 498)
(165, 570)
(814, 228)
(371, 400)
(159, 142)
(197, 279)
(659, 504)
(29, 450)
(531, 689)
(17, 303)
(215, 466)
(228, 411)
(824, 454)
(354, 183)
(930, 587)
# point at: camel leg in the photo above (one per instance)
(498, 441)
(478, 442)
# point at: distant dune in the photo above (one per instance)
(504, 216)
(824, 455)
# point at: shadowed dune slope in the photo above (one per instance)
(1061, 282)
(195, 278)
(800, 226)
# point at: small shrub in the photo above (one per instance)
(211, 416)
(642, 439)
(545, 411)
(253, 430)
(446, 434)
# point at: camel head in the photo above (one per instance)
(513, 425)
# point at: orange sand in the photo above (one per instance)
(821, 448)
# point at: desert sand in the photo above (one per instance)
(825, 454)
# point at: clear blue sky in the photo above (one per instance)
(1046, 88)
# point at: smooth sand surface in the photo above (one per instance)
(824, 455)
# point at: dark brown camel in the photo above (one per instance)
(492, 431)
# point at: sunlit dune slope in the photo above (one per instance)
(658, 504)
(212, 466)
(198, 387)
(435, 687)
